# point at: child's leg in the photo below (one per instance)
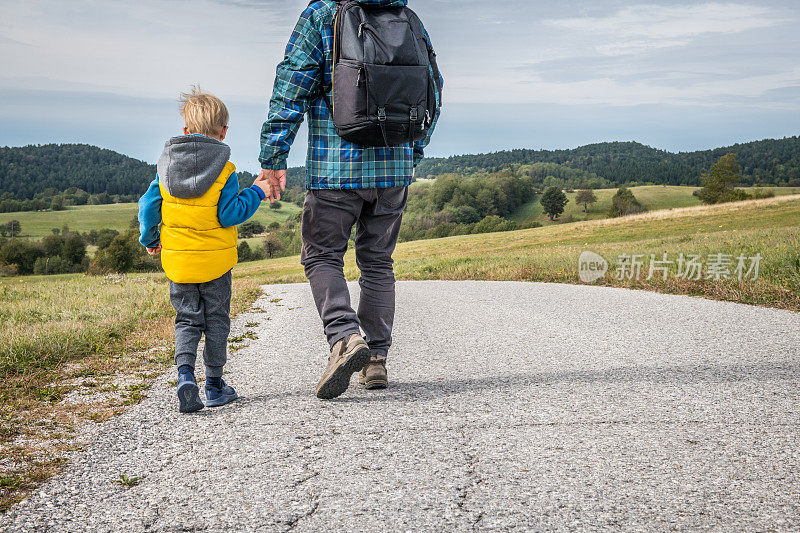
(189, 322)
(216, 296)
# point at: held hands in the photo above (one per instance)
(272, 182)
(154, 251)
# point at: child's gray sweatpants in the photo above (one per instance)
(202, 308)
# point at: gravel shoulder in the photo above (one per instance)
(512, 405)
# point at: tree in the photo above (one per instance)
(13, 228)
(57, 203)
(21, 253)
(272, 245)
(245, 253)
(553, 201)
(275, 205)
(719, 185)
(53, 245)
(586, 197)
(251, 229)
(74, 249)
(625, 203)
(119, 256)
(104, 237)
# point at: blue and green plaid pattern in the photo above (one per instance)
(332, 163)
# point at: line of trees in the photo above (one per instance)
(769, 163)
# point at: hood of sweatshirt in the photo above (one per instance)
(191, 164)
(383, 3)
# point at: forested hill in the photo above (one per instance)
(769, 162)
(30, 170)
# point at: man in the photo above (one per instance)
(347, 184)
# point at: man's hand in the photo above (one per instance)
(154, 251)
(272, 182)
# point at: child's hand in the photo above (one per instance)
(154, 251)
(272, 182)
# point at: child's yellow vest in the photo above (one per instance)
(195, 248)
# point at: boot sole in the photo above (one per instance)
(339, 380)
(376, 384)
(189, 398)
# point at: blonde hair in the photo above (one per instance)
(203, 113)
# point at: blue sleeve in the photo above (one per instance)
(150, 216)
(236, 207)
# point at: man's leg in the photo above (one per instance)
(376, 238)
(328, 218)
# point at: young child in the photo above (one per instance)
(189, 215)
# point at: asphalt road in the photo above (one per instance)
(512, 406)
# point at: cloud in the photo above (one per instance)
(642, 28)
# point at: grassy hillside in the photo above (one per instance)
(115, 216)
(77, 334)
(653, 197)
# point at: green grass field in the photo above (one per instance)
(115, 216)
(653, 197)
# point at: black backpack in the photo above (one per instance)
(383, 93)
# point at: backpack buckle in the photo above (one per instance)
(414, 114)
(382, 114)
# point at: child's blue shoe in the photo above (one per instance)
(188, 393)
(219, 396)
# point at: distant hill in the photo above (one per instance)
(30, 170)
(768, 162)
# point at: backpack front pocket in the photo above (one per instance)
(350, 94)
(397, 97)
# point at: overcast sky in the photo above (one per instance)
(518, 73)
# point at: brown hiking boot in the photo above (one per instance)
(374, 375)
(348, 356)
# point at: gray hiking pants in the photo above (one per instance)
(202, 308)
(328, 219)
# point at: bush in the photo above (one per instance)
(275, 205)
(104, 237)
(625, 203)
(51, 265)
(20, 253)
(123, 255)
(251, 229)
(245, 252)
(74, 249)
(760, 193)
(492, 224)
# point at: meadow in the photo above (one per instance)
(85, 218)
(62, 334)
(652, 197)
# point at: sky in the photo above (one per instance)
(679, 76)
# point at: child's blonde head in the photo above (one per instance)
(203, 113)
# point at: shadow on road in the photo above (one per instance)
(415, 391)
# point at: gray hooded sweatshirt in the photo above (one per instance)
(191, 164)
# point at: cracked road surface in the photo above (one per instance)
(512, 405)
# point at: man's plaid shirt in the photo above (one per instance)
(332, 163)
